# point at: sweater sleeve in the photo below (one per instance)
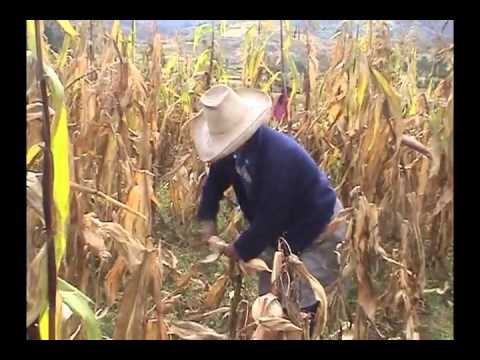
(218, 180)
(273, 213)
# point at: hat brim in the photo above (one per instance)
(213, 147)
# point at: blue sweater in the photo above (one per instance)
(289, 196)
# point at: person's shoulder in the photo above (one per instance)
(284, 144)
(279, 139)
(281, 151)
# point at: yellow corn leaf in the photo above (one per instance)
(293, 79)
(363, 80)
(67, 27)
(132, 41)
(171, 63)
(199, 32)
(43, 320)
(392, 97)
(31, 44)
(201, 61)
(61, 183)
(223, 27)
(62, 56)
(376, 124)
(266, 87)
(60, 147)
(116, 32)
(32, 152)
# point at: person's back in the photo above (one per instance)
(311, 198)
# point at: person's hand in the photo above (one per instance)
(208, 228)
(231, 252)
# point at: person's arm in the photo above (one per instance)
(218, 180)
(272, 216)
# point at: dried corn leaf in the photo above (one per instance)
(113, 278)
(155, 330)
(129, 324)
(278, 324)
(94, 238)
(318, 291)
(413, 144)
(208, 314)
(37, 286)
(172, 259)
(34, 193)
(216, 244)
(215, 294)
(277, 266)
(266, 305)
(444, 200)
(183, 280)
(262, 333)
(125, 244)
(189, 330)
(210, 258)
(254, 265)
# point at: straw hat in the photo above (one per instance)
(227, 120)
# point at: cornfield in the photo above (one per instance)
(113, 184)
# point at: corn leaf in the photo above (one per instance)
(78, 302)
(60, 153)
(116, 33)
(199, 32)
(201, 61)
(62, 56)
(392, 97)
(215, 294)
(223, 27)
(43, 320)
(189, 330)
(67, 27)
(37, 280)
(32, 152)
(31, 44)
(363, 80)
(266, 87)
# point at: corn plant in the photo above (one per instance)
(117, 185)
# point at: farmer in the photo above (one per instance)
(280, 189)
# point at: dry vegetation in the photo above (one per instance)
(126, 183)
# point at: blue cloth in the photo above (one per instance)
(288, 195)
